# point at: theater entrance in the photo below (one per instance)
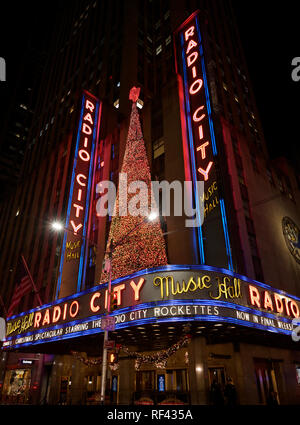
(268, 379)
(165, 386)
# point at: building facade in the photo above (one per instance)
(178, 53)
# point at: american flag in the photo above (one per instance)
(21, 290)
(26, 285)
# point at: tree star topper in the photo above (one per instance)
(134, 94)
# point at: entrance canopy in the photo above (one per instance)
(164, 296)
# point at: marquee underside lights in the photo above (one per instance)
(199, 145)
(163, 294)
(74, 250)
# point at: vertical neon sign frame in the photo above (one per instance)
(214, 146)
(192, 155)
(191, 143)
(96, 128)
(83, 250)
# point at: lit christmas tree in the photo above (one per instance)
(135, 242)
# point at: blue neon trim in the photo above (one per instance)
(192, 154)
(167, 268)
(208, 104)
(226, 235)
(214, 146)
(84, 251)
(138, 322)
(70, 199)
(216, 303)
(163, 303)
(198, 318)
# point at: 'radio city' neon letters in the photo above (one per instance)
(84, 156)
(70, 310)
(274, 302)
(195, 86)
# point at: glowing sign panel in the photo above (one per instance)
(199, 144)
(172, 292)
(73, 257)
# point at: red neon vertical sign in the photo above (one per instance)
(73, 257)
(199, 144)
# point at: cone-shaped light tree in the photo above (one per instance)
(134, 241)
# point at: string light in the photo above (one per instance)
(159, 358)
(145, 246)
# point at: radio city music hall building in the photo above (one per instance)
(216, 301)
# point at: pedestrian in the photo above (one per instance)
(272, 398)
(230, 393)
(216, 395)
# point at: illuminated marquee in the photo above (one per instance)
(175, 293)
(74, 251)
(199, 144)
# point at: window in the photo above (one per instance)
(158, 49)
(158, 148)
(168, 40)
(289, 188)
(241, 180)
(157, 25)
(166, 15)
(280, 184)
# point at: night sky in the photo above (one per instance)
(269, 36)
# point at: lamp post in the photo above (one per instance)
(108, 265)
(105, 339)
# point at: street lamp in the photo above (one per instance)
(107, 267)
(153, 215)
(56, 225)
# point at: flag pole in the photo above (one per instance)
(32, 282)
(3, 305)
